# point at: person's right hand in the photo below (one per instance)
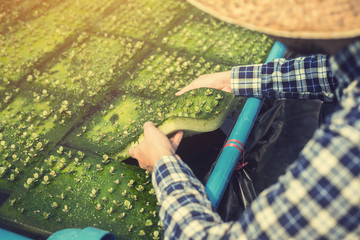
(154, 146)
(221, 81)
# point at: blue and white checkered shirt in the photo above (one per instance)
(319, 195)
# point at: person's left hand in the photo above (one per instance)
(154, 146)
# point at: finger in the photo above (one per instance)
(176, 139)
(133, 152)
(141, 165)
(136, 154)
(149, 127)
(151, 131)
(182, 91)
(200, 82)
(144, 166)
(187, 88)
(193, 85)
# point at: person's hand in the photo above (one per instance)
(221, 81)
(154, 146)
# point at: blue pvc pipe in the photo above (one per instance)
(7, 235)
(219, 178)
(88, 233)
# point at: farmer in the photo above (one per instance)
(319, 195)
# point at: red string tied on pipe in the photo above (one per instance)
(238, 145)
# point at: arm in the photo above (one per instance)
(300, 78)
(318, 196)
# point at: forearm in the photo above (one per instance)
(300, 78)
(185, 210)
(297, 205)
(318, 197)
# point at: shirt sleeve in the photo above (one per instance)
(185, 209)
(299, 78)
(317, 198)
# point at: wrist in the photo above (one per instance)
(166, 160)
(160, 156)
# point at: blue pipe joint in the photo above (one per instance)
(88, 233)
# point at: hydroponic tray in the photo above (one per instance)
(77, 81)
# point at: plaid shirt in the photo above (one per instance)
(319, 195)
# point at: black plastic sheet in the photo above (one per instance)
(240, 191)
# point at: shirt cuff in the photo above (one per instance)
(170, 173)
(246, 80)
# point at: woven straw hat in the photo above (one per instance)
(306, 19)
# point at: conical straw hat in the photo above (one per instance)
(306, 19)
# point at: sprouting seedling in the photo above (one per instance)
(131, 183)
(93, 193)
(140, 188)
(156, 235)
(2, 171)
(142, 233)
(127, 204)
(39, 146)
(81, 154)
(98, 207)
(98, 167)
(208, 92)
(12, 202)
(65, 209)
(154, 213)
(105, 159)
(3, 144)
(21, 210)
(116, 203)
(197, 109)
(28, 183)
(219, 97)
(45, 180)
(87, 165)
(77, 162)
(46, 215)
(110, 210)
(52, 173)
(148, 223)
(208, 109)
(12, 177)
(54, 205)
(60, 150)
